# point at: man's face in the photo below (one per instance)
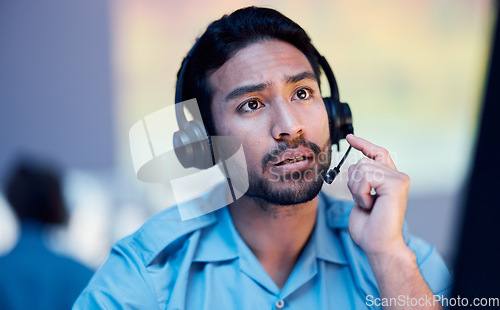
(267, 96)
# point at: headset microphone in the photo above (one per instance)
(333, 173)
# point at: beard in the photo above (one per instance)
(292, 188)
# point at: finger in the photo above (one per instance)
(371, 150)
(368, 175)
(370, 169)
(360, 187)
(350, 169)
(383, 179)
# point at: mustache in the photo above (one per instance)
(286, 145)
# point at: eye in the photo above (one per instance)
(251, 105)
(303, 94)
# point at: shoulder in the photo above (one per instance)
(162, 231)
(128, 278)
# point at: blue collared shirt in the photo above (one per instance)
(203, 263)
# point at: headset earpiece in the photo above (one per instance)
(339, 118)
(339, 113)
(192, 143)
(193, 146)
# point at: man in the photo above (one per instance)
(283, 244)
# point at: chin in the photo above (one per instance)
(286, 192)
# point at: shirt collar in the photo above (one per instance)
(325, 236)
(218, 241)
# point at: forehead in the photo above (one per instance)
(261, 62)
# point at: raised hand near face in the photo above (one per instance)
(376, 221)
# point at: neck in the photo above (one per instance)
(275, 234)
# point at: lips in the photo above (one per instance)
(293, 156)
(291, 160)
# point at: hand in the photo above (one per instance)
(376, 221)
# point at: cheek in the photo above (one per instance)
(253, 142)
(254, 148)
(318, 124)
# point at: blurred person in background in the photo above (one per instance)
(31, 275)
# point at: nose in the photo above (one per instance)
(286, 122)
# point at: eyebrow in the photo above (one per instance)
(240, 91)
(306, 75)
(243, 90)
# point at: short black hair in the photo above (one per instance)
(34, 192)
(226, 36)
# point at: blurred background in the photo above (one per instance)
(76, 75)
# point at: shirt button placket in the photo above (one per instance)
(280, 304)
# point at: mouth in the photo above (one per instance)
(291, 160)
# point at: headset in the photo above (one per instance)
(193, 144)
